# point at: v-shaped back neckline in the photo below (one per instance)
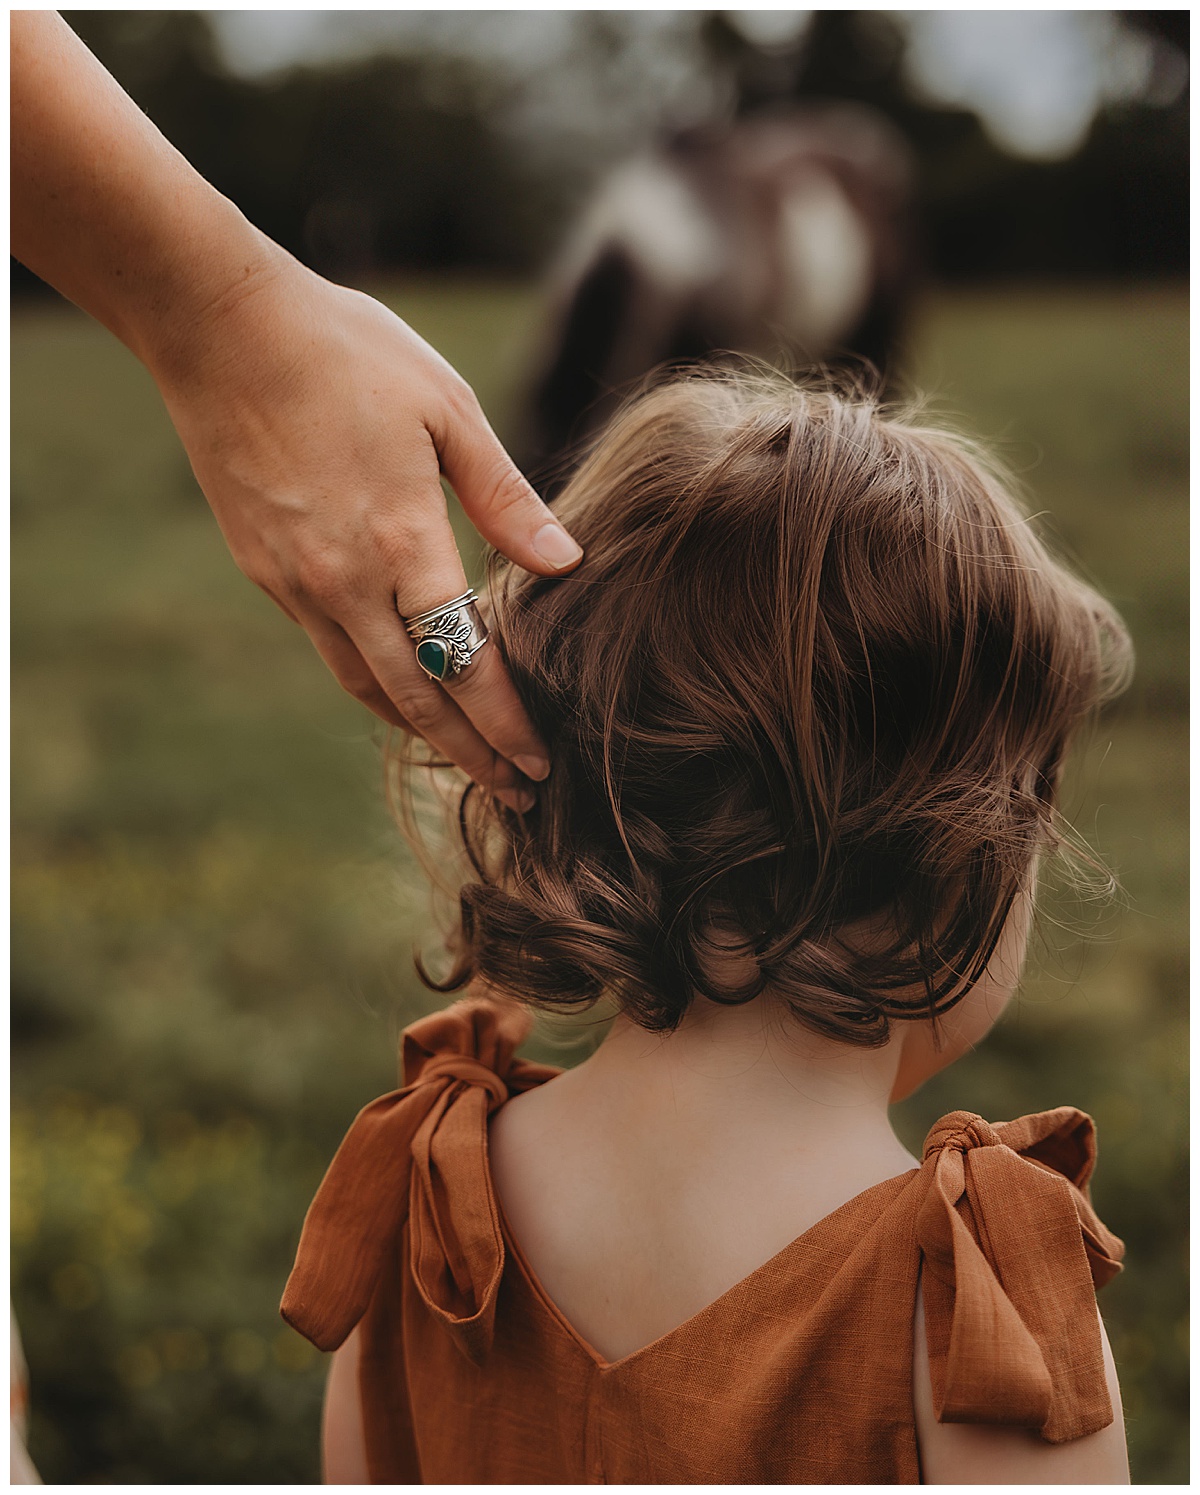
(740, 1287)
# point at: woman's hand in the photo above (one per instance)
(318, 424)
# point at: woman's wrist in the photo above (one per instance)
(182, 327)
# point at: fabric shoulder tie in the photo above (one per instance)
(1012, 1254)
(418, 1154)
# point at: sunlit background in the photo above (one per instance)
(213, 918)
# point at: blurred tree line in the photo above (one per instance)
(1117, 207)
(404, 161)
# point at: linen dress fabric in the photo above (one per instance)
(800, 1374)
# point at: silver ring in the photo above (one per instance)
(447, 636)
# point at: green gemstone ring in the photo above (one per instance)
(448, 636)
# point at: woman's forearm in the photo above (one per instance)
(107, 211)
(316, 422)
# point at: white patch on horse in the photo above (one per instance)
(652, 213)
(827, 261)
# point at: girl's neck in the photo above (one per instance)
(729, 1072)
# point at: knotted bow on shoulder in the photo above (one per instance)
(418, 1154)
(1013, 1252)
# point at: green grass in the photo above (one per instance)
(213, 920)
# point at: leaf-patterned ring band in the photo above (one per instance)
(448, 636)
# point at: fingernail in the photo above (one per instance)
(521, 800)
(556, 547)
(532, 767)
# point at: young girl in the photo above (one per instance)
(808, 699)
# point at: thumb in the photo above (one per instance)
(497, 499)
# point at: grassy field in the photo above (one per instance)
(213, 918)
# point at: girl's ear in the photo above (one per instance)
(922, 1053)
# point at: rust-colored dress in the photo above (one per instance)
(799, 1374)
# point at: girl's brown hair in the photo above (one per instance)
(815, 674)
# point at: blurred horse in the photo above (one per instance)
(784, 235)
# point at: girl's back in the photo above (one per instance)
(808, 697)
(648, 1181)
(465, 1367)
